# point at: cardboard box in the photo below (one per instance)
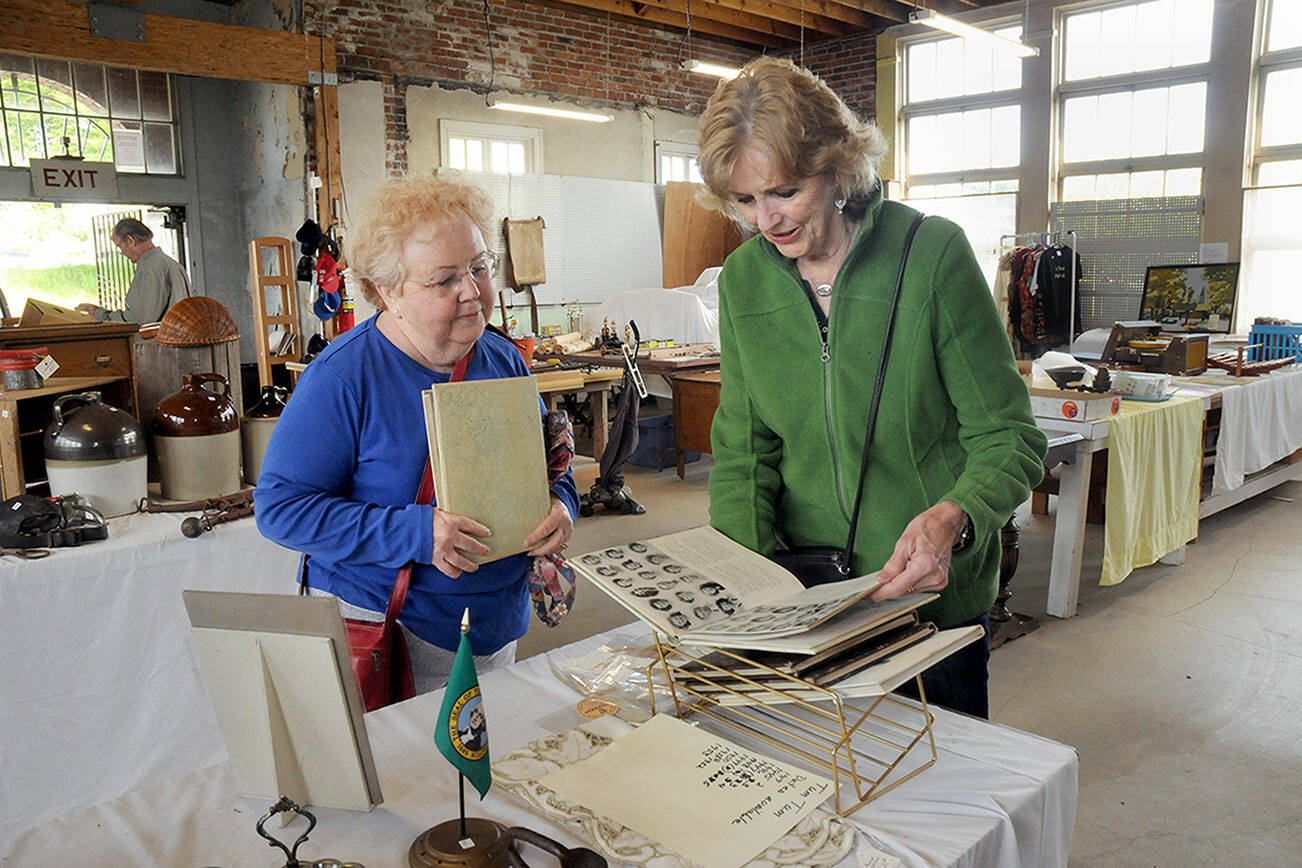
(1073, 406)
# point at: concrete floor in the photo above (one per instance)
(1181, 689)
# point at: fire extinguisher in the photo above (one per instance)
(344, 319)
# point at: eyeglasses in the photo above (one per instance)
(482, 269)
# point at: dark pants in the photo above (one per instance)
(961, 681)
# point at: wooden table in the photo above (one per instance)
(594, 384)
(649, 361)
(696, 397)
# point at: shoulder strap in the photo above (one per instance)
(877, 394)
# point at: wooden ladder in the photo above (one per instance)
(270, 269)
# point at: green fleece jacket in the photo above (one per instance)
(955, 420)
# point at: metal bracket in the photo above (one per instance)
(326, 78)
(110, 21)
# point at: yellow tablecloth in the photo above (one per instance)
(1154, 466)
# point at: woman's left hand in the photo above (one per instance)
(550, 536)
(921, 558)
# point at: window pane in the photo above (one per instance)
(96, 145)
(1077, 187)
(1007, 186)
(1187, 118)
(456, 153)
(949, 67)
(982, 218)
(952, 141)
(1007, 72)
(61, 136)
(1146, 184)
(1006, 127)
(1281, 121)
(20, 88)
(56, 86)
(1148, 123)
(1114, 124)
(474, 155)
(155, 97)
(128, 146)
(498, 161)
(1184, 182)
(31, 137)
(1112, 186)
(516, 155)
(1082, 139)
(1157, 34)
(1285, 25)
(921, 63)
(694, 172)
(976, 138)
(1280, 172)
(124, 100)
(92, 93)
(978, 65)
(160, 153)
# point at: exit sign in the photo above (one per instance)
(74, 179)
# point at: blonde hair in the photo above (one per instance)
(375, 255)
(798, 122)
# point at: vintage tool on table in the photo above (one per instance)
(286, 805)
(1235, 363)
(1142, 343)
(214, 511)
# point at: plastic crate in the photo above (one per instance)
(1280, 342)
(655, 444)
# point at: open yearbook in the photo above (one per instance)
(487, 455)
(700, 587)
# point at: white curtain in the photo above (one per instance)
(1270, 283)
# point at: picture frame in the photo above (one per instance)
(1198, 297)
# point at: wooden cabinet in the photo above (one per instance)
(696, 397)
(95, 356)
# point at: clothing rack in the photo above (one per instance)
(1014, 240)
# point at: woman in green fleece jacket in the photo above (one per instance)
(802, 313)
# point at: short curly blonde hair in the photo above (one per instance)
(399, 208)
(795, 118)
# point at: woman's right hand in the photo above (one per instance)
(455, 535)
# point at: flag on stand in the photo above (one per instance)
(462, 731)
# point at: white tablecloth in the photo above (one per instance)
(99, 692)
(1261, 422)
(996, 797)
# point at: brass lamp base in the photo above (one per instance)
(485, 845)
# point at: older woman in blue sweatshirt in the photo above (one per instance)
(341, 473)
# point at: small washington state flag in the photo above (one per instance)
(462, 731)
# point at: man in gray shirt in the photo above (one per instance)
(159, 282)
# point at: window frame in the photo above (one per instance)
(1064, 90)
(669, 148)
(907, 111)
(531, 137)
(1267, 62)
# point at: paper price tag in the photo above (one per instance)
(47, 367)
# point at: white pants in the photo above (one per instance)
(430, 664)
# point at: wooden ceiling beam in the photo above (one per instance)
(60, 29)
(837, 22)
(760, 34)
(721, 13)
(892, 10)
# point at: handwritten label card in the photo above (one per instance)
(698, 794)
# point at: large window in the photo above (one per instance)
(676, 161)
(1133, 99)
(961, 142)
(499, 148)
(54, 108)
(1272, 231)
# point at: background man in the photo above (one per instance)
(159, 281)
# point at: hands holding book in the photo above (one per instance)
(455, 536)
(920, 561)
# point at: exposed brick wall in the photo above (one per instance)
(557, 51)
(849, 66)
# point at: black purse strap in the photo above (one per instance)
(844, 566)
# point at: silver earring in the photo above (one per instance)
(840, 206)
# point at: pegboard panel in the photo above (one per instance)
(1118, 239)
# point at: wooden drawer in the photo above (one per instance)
(96, 357)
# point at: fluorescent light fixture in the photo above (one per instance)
(934, 19)
(724, 72)
(593, 117)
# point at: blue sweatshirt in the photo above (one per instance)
(340, 477)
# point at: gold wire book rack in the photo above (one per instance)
(869, 747)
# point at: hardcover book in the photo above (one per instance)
(488, 459)
(700, 587)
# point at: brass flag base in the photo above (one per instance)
(486, 844)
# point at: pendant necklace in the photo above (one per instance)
(823, 290)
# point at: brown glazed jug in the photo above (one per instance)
(197, 438)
